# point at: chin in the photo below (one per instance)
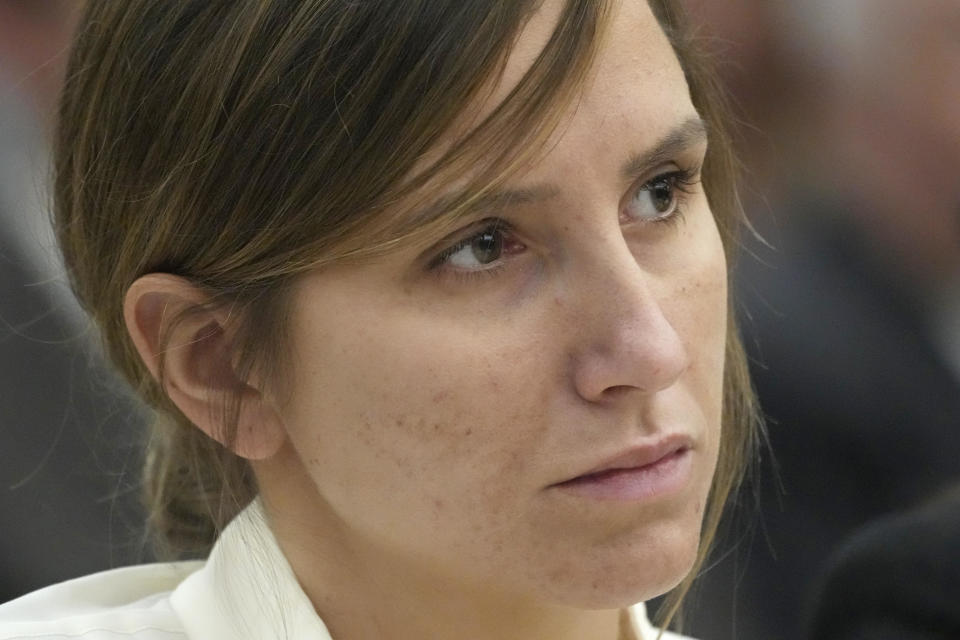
(641, 571)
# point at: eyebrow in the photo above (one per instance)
(687, 135)
(691, 133)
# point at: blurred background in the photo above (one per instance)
(849, 302)
(849, 298)
(68, 432)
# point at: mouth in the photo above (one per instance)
(640, 473)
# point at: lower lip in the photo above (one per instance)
(666, 476)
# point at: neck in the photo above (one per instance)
(363, 592)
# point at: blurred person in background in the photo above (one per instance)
(897, 578)
(64, 431)
(852, 311)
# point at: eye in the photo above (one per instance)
(477, 251)
(481, 251)
(659, 199)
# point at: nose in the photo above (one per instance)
(625, 340)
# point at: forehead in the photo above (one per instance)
(634, 95)
(635, 84)
(633, 48)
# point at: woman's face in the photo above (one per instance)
(452, 401)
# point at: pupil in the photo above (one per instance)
(487, 246)
(662, 193)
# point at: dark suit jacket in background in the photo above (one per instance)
(897, 579)
(864, 418)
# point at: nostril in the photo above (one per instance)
(618, 390)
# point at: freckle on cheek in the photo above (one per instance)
(365, 433)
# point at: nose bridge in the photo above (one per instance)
(625, 339)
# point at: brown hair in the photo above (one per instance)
(241, 144)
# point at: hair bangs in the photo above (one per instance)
(468, 171)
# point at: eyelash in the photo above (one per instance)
(683, 180)
(496, 225)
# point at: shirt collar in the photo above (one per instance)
(247, 589)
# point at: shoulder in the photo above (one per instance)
(132, 602)
(668, 635)
(864, 586)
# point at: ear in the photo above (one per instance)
(198, 363)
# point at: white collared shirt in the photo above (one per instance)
(235, 595)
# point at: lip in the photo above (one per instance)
(641, 472)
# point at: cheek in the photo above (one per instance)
(698, 310)
(697, 307)
(403, 422)
(708, 297)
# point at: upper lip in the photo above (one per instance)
(639, 455)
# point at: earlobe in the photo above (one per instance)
(190, 345)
